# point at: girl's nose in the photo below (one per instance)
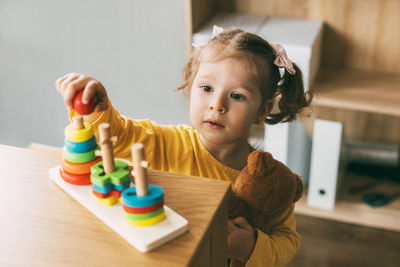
(218, 104)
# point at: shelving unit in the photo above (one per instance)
(358, 84)
(350, 208)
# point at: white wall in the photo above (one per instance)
(135, 48)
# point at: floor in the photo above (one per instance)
(330, 243)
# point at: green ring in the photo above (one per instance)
(139, 217)
(79, 157)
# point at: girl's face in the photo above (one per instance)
(225, 102)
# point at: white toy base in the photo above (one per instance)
(142, 238)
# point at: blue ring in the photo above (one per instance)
(108, 187)
(103, 189)
(123, 186)
(80, 147)
(154, 196)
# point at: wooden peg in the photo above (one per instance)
(140, 169)
(77, 122)
(106, 147)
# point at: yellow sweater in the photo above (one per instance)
(178, 149)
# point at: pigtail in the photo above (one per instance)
(292, 98)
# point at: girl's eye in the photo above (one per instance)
(237, 96)
(206, 88)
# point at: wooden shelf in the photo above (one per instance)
(351, 209)
(365, 91)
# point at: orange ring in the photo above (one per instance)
(81, 179)
(78, 168)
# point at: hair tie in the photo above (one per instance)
(282, 59)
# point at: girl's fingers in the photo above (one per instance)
(231, 226)
(68, 79)
(70, 84)
(74, 85)
(101, 105)
(242, 223)
(92, 87)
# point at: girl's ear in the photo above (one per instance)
(265, 109)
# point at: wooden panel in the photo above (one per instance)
(202, 10)
(358, 90)
(360, 34)
(367, 104)
(358, 126)
(331, 243)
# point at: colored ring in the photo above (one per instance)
(100, 195)
(147, 222)
(81, 135)
(155, 195)
(122, 187)
(82, 179)
(78, 168)
(119, 176)
(80, 147)
(78, 157)
(142, 210)
(114, 193)
(103, 189)
(145, 216)
(108, 187)
(109, 201)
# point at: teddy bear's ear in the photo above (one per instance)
(299, 189)
(259, 162)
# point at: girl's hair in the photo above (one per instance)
(237, 43)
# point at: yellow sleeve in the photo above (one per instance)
(130, 132)
(278, 247)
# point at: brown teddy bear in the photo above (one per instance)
(264, 189)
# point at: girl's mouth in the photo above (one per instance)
(214, 124)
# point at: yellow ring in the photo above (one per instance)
(109, 201)
(147, 222)
(81, 135)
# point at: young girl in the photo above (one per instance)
(232, 83)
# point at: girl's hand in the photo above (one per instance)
(241, 239)
(69, 85)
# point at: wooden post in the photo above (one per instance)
(106, 147)
(77, 122)
(140, 169)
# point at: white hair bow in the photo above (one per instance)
(215, 32)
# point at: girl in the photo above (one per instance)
(232, 83)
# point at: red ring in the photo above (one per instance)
(141, 210)
(81, 179)
(114, 193)
(78, 168)
(100, 195)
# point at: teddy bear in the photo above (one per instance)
(264, 189)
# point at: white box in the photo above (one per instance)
(325, 164)
(301, 38)
(247, 22)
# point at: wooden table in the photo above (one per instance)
(41, 225)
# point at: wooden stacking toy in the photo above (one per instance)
(109, 177)
(143, 204)
(78, 154)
